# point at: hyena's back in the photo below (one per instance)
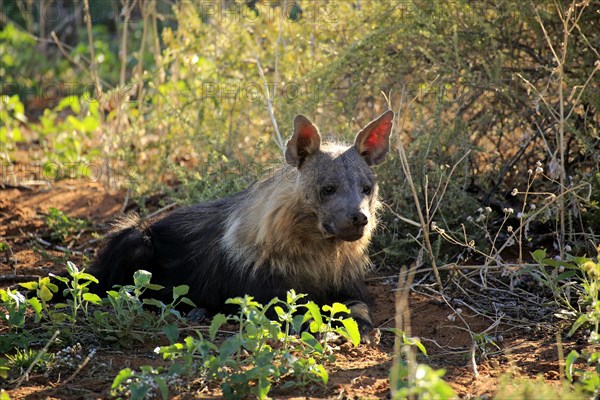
(183, 248)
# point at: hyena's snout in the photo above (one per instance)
(352, 227)
(348, 225)
(357, 219)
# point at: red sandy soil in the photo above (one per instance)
(359, 372)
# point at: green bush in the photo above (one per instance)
(262, 353)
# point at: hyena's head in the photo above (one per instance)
(337, 182)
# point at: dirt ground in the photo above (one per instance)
(526, 350)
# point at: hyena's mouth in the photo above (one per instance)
(328, 231)
(347, 235)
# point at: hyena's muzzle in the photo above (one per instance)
(348, 220)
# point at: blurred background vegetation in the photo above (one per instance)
(174, 97)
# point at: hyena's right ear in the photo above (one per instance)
(306, 140)
(373, 142)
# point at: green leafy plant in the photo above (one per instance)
(553, 274)
(589, 301)
(516, 388)
(65, 132)
(61, 225)
(581, 275)
(123, 316)
(12, 116)
(21, 359)
(336, 321)
(589, 298)
(4, 368)
(15, 305)
(129, 315)
(77, 294)
(44, 291)
(262, 352)
(424, 383)
(588, 377)
(138, 385)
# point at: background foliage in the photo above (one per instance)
(182, 97)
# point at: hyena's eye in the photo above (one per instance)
(328, 190)
(367, 189)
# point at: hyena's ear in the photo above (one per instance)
(306, 140)
(373, 142)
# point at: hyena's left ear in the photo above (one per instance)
(305, 141)
(373, 142)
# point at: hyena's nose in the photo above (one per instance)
(358, 218)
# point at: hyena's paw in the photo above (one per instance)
(197, 314)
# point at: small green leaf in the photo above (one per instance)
(70, 101)
(60, 278)
(90, 123)
(181, 290)
(22, 118)
(292, 297)
(322, 373)
(263, 387)
(189, 341)
(337, 308)
(141, 278)
(311, 341)
(236, 301)
(569, 363)
(153, 286)
(162, 386)
(189, 302)
(539, 256)
(315, 313)
(566, 275)
(75, 124)
(139, 392)
(53, 288)
(172, 332)
(45, 294)
(35, 305)
(87, 277)
(352, 329)
(229, 347)
(297, 322)
(215, 325)
(92, 298)
(153, 302)
(417, 342)
(58, 317)
(29, 285)
(282, 315)
(71, 268)
(580, 321)
(556, 263)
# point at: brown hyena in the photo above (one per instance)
(306, 227)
